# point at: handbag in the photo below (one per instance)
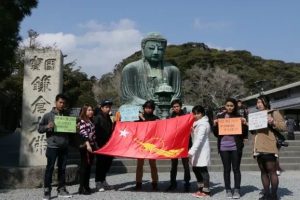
(280, 139)
(281, 143)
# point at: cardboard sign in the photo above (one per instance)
(230, 126)
(65, 124)
(258, 120)
(129, 113)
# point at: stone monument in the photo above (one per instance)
(146, 78)
(43, 79)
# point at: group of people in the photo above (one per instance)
(96, 127)
(94, 131)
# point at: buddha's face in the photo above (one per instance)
(154, 51)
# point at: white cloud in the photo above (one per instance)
(63, 41)
(100, 48)
(203, 25)
(214, 46)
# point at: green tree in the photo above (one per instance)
(77, 86)
(12, 12)
(211, 86)
(108, 87)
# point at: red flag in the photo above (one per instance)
(161, 139)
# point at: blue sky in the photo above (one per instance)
(98, 34)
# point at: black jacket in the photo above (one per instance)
(103, 128)
(148, 117)
(239, 139)
(54, 139)
(174, 114)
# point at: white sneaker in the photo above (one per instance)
(107, 186)
(100, 187)
(278, 172)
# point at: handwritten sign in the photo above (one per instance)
(65, 124)
(129, 113)
(258, 120)
(230, 126)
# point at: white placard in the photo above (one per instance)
(258, 120)
(129, 113)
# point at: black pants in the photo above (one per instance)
(267, 166)
(61, 155)
(291, 136)
(231, 158)
(86, 163)
(103, 164)
(173, 174)
(202, 176)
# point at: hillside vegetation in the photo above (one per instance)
(239, 71)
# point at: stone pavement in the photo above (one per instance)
(289, 188)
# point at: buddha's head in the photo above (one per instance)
(153, 47)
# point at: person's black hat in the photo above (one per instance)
(106, 102)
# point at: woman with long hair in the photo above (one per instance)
(266, 150)
(231, 148)
(88, 144)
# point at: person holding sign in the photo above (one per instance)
(57, 148)
(147, 115)
(265, 148)
(231, 130)
(200, 151)
(88, 138)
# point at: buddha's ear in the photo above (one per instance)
(142, 50)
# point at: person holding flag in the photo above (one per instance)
(103, 129)
(147, 115)
(176, 106)
(151, 139)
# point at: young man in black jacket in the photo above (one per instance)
(57, 148)
(103, 130)
(177, 111)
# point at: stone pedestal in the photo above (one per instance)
(43, 79)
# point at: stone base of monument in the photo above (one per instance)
(32, 177)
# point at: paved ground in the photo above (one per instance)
(288, 188)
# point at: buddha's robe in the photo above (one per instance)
(139, 81)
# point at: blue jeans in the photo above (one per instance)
(61, 155)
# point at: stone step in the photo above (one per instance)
(214, 161)
(284, 153)
(250, 143)
(288, 160)
(247, 150)
(167, 168)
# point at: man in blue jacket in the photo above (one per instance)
(57, 148)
